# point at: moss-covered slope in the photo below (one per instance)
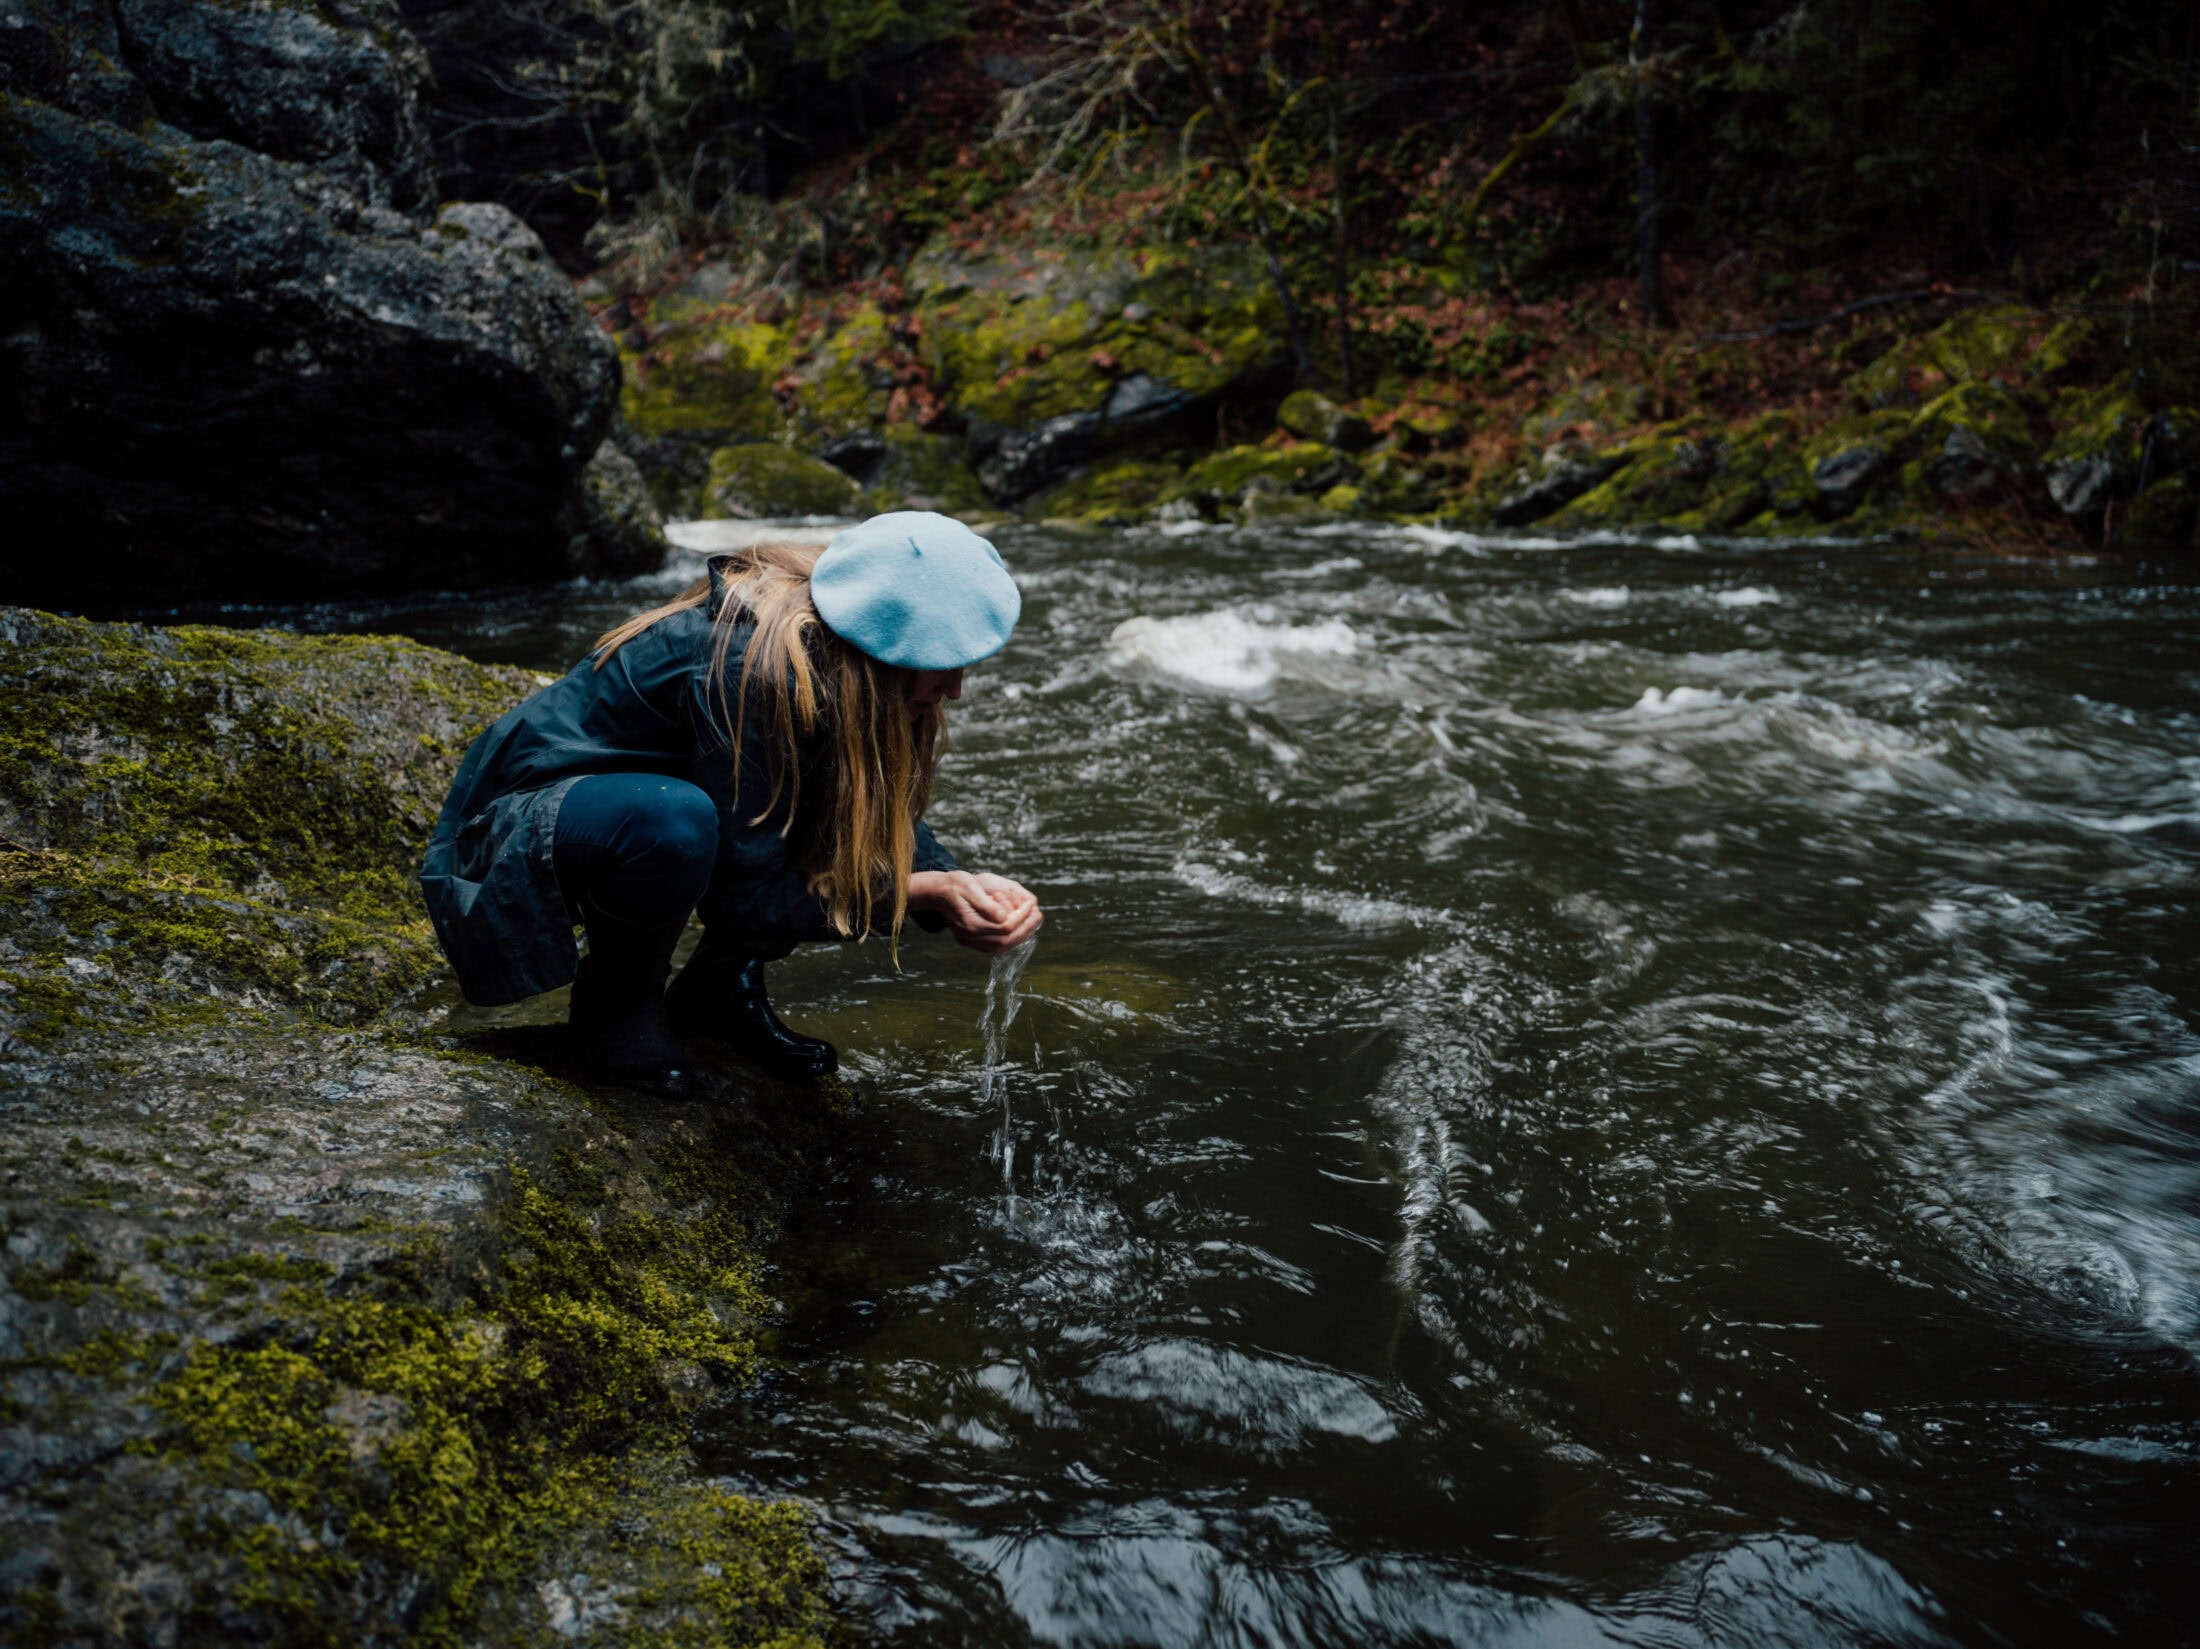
(318, 1326)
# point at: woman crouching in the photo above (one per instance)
(758, 752)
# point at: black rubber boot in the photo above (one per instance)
(720, 994)
(618, 1010)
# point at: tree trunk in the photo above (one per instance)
(1646, 173)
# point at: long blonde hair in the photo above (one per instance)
(859, 845)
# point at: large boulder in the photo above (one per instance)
(319, 1323)
(245, 356)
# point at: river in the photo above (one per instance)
(1571, 1092)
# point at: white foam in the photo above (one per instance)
(1227, 651)
(1320, 569)
(724, 537)
(1604, 595)
(1756, 595)
(1442, 538)
(1657, 702)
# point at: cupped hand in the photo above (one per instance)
(988, 913)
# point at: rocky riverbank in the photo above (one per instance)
(1119, 386)
(320, 1323)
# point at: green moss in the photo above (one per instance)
(397, 1436)
(241, 811)
(1033, 334)
(2108, 421)
(846, 384)
(764, 479)
(72, 1279)
(710, 381)
(1661, 475)
(1227, 473)
(922, 471)
(1308, 414)
(1979, 346)
(1984, 410)
(113, 1353)
(1110, 492)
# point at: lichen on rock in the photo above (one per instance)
(319, 1324)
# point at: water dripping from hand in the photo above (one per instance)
(1003, 996)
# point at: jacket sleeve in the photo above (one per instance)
(930, 854)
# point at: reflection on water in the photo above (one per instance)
(1577, 1093)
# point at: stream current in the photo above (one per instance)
(1571, 1093)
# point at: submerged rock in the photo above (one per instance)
(245, 355)
(319, 1324)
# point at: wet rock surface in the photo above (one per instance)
(318, 1321)
(247, 355)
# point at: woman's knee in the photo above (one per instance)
(683, 833)
(636, 844)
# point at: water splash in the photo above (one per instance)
(1003, 996)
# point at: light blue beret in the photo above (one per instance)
(916, 589)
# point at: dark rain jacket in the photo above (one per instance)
(491, 888)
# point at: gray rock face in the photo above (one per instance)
(334, 85)
(1015, 463)
(1562, 480)
(1966, 471)
(1844, 477)
(616, 527)
(2081, 486)
(232, 365)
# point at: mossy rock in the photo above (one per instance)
(1393, 484)
(1981, 345)
(323, 1327)
(1975, 444)
(920, 470)
(708, 382)
(843, 380)
(1591, 409)
(1022, 335)
(220, 815)
(1995, 415)
(764, 479)
(1661, 475)
(1313, 416)
(2108, 421)
(1112, 492)
(1050, 355)
(1227, 474)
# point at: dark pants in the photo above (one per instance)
(639, 849)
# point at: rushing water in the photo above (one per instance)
(1570, 1093)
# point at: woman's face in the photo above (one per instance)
(928, 687)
